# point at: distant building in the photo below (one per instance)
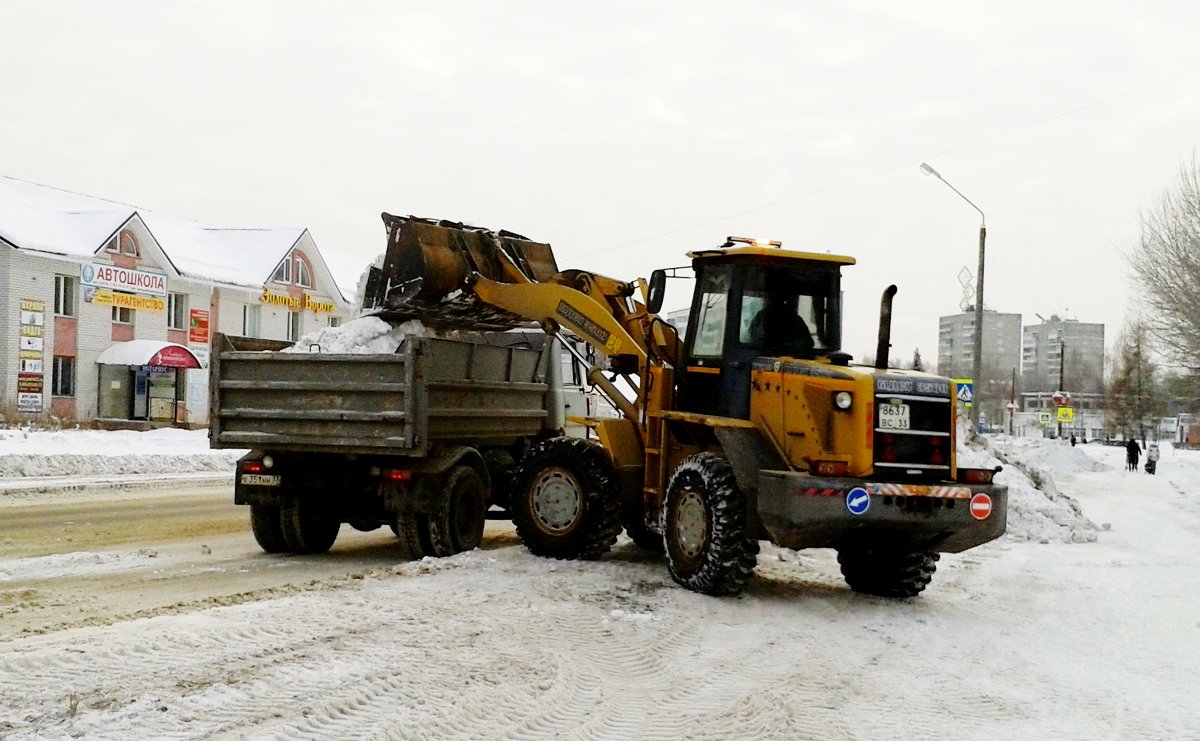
(1001, 345)
(1045, 369)
(109, 311)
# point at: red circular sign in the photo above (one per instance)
(981, 506)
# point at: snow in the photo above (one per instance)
(26, 453)
(1063, 628)
(367, 335)
(135, 352)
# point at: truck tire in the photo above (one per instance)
(564, 502)
(460, 512)
(412, 529)
(501, 467)
(308, 527)
(642, 536)
(267, 528)
(887, 573)
(704, 527)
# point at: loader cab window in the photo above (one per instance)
(711, 312)
(787, 311)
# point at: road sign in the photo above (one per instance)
(981, 506)
(1066, 414)
(966, 390)
(858, 501)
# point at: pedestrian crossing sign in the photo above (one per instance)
(966, 390)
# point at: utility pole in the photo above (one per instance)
(1062, 365)
(1012, 401)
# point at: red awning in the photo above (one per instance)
(148, 352)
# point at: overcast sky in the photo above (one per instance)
(626, 134)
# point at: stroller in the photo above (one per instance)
(1150, 465)
(1152, 459)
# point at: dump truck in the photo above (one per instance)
(755, 425)
(422, 440)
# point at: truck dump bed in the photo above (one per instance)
(472, 393)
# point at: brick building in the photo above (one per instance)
(109, 310)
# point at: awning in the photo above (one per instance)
(148, 352)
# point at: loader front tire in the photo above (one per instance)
(564, 502)
(704, 527)
(308, 526)
(886, 573)
(268, 531)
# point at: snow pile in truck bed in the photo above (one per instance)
(368, 335)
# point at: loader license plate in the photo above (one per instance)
(894, 416)
(258, 479)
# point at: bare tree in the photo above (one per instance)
(1166, 264)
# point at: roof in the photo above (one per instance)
(148, 352)
(44, 219)
(773, 252)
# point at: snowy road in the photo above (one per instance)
(1012, 640)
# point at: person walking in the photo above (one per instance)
(1133, 451)
(1152, 458)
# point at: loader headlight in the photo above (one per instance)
(843, 399)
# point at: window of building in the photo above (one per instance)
(64, 295)
(120, 314)
(129, 244)
(303, 274)
(293, 327)
(283, 273)
(250, 320)
(176, 311)
(335, 321)
(113, 245)
(63, 381)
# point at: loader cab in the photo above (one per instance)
(753, 303)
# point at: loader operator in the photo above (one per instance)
(778, 327)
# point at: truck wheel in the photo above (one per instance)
(307, 526)
(564, 502)
(887, 573)
(704, 527)
(500, 466)
(412, 529)
(268, 531)
(457, 523)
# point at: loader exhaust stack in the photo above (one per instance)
(885, 328)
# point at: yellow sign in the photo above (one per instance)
(296, 302)
(129, 301)
(1066, 414)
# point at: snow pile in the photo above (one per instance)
(368, 335)
(1037, 511)
(25, 452)
(80, 563)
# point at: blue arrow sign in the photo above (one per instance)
(858, 501)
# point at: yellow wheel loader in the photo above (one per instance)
(754, 425)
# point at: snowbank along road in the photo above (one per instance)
(153, 614)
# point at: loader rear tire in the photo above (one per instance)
(308, 526)
(460, 511)
(268, 531)
(704, 527)
(642, 536)
(564, 502)
(887, 573)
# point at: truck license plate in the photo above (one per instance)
(894, 416)
(258, 479)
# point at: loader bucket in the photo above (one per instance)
(429, 266)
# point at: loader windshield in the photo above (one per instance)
(788, 311)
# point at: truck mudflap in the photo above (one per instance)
(802, 511)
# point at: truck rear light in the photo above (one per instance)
(977, 475)
(887, 448)
(253, 467)
(831, 468)
(936, 456)
(396, 474)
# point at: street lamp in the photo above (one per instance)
(977, 372)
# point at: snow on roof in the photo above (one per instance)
(44, 219)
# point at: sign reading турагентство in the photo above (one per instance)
(98, 275)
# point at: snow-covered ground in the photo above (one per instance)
(1082, 622)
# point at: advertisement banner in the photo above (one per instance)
(105, 297)
(30, 361)
(98, 275)
(198, 326)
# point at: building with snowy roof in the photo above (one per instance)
(109, 310)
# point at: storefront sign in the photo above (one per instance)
(99, 275)
(305, 301)
(173, 356)
(198, 326)
(129, 301)
(31, 364)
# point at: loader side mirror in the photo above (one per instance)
(658, 288)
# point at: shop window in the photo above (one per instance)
(63, 382)
(283, 273)
(335, 321)
(121, 314)
(129, 244)
(176, 311)
(293, 327)
(250, 320)
(64, 295)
